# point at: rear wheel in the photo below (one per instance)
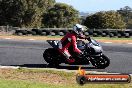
(51, 57)
(101, 62)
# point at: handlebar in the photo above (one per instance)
(88, 38)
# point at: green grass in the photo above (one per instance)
(19, 83)
(60, 73)
(23, 84)
(27, 84)
(53, 37)
(108, 38)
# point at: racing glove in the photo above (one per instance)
(88, 38)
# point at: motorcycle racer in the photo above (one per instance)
(70, 39)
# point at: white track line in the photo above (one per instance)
(31, 39)
(65, 70)
(107, 42)
(129, 43)
(12, 67)
(8, 38)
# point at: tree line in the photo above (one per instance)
(37, 13)
(120, 19)
(49, 13)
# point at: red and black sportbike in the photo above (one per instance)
(92, 53)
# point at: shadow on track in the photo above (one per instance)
(68, 67)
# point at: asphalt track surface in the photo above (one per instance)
(26, 53)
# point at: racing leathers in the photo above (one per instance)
(68, 40)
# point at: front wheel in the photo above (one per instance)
(101, 62)
(51, 57)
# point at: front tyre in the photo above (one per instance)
(101, 62)
(50, 56)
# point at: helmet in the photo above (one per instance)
(78, 29)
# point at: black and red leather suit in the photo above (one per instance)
(70, 39)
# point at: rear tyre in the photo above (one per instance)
(51, 57)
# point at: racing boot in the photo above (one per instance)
(70, 60)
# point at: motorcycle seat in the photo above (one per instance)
(53, 43)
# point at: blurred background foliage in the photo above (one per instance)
(50, 14)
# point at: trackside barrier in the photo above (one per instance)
(62, 32)
(119, 33)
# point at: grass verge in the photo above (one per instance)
(41, 78)
(100, 39)
(57, 37)
(24, 84)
